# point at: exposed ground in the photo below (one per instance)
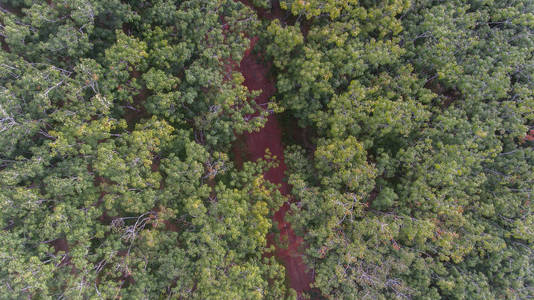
(253, 146)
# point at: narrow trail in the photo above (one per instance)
(255, 144)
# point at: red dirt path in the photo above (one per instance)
(255, 144)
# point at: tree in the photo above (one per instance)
(116, 120)
(418, 186)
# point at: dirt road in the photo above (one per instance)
(255, 144)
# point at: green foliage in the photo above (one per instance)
(115, 122)
(262, 3)
(117, 119)
(420, 182)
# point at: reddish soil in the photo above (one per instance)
(253, 146)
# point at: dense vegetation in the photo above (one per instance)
(415, 178)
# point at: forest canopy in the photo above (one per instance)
(408, 129)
